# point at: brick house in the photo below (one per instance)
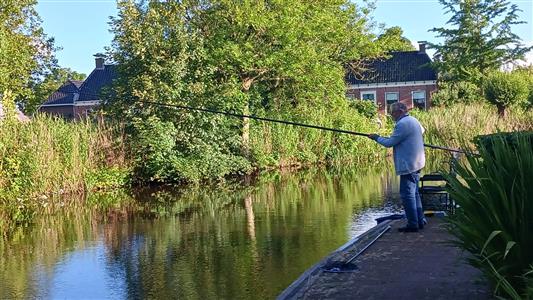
(405, 76)
(75, 99)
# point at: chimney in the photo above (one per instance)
(99, 61)
(422, 47)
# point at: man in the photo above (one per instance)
(409, 158)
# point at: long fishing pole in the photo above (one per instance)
(282, 122)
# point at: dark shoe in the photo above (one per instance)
(407, 229)
(421, 224)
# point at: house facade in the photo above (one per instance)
(76, 99)
(405, 77)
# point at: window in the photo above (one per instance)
(369, 95)
(391, 98)
(419, 99)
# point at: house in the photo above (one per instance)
(404, 76)
(75, 99)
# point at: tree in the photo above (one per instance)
(480, 39)
(43, 88)
(393, 40)
(26, 53)
(505, 89)
(252, 57)
(284, 54)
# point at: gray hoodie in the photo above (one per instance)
(408, 145)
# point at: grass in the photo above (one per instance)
(493, 222)
(47, 157)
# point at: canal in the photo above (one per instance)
(228, 241)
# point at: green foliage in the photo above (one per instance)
(479, 41)
(450, 93)
(107, 178)
(153, 145)
(527, 74)
(511, 139)
(393, 40)
(505, 89)
(156, 157)
(275, 145)
(493, 191)
(366, 108)
(26, 53)
(43, 87)
(443, 128)
(284, 59)
(47, 157)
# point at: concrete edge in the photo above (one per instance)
(308, 277)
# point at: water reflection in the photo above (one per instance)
(230, 242)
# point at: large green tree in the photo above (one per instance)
(392, 39)
(478, 39)
(26, 53)
(256, 54)
(252, 57)
(291, 53)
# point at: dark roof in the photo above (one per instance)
(398, 67)
(65, 93)
(99, 78)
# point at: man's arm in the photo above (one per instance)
(398, 135)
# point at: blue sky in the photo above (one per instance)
(81, 27)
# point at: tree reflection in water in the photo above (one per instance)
(235, 240)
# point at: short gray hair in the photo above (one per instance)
(398, 106)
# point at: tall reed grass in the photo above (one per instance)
(457, 125)
(494, 220)
(47, 157)
(278, 145)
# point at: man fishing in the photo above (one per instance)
(409, 159)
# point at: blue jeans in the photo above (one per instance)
(412, 204)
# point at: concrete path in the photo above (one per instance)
(404, 266)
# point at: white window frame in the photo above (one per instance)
(425, 98)
(386, 103)
(370, 92)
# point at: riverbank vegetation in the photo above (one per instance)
(493, 221)
(46, 159)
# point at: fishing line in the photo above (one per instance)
(233, 114)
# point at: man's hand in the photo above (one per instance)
(373, 136)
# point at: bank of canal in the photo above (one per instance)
(228, 242)
(383, 263)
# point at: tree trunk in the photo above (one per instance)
(501, 111)
(246, 131)
(246, 83)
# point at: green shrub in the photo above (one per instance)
(509, 138)
(527, 74)
(505, 90)
(159, 155)
(450, 93)
(153, 150)
(365, 108)
(493, 221)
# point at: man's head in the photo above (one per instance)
(398, 110)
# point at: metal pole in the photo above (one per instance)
(283, 122)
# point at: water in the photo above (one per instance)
(228, 242)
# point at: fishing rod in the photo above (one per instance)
(233, 114)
